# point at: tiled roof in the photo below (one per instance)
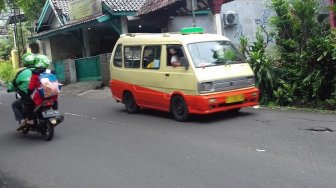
(115, 5)
(124, 5)
(153, 5)
(68, 26)
(62, 4)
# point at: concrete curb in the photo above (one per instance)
(81, 88)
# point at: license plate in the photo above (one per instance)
(235, 98)
(50, 113)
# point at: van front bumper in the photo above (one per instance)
(223, 101)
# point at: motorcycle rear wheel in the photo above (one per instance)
(48, 131)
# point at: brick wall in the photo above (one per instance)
(105, 68)
(70, 69)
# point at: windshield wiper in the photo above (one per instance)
(206, 65)
(219, 62)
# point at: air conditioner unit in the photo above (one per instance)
(230, 18)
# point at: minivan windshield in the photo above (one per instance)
(214, 53)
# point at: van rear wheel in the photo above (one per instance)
(130, 104)
(179, 109)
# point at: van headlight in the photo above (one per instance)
(206, 86)
(250, 80)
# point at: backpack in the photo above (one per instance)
(16, 84)
(49, 85)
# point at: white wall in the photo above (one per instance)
(45, 49)
(251, 15)
(323, 4)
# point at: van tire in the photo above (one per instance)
(179, 109)
(130, 104)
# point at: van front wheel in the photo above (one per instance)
(179, 108)
(130, 104)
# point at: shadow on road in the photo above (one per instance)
(221, 116)
(21, 139)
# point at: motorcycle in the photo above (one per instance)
(45, 119)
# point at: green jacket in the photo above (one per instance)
(22, 79)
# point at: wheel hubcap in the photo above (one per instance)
(179, 108)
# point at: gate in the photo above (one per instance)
(88, 69)
(60, 70)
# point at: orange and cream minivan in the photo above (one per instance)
(184, 73)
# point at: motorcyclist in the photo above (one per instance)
(20, 85)
(41, 64)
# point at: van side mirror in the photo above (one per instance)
(184, 62)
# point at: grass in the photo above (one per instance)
(7, 73)
(288, 108)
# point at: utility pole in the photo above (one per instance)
(193, 12)
(332, 15)
(15, 10)
(22, 42)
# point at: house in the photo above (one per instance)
(232, 18)
(73, 29)
(176, 14)
(84, 30)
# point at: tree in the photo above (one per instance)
(31, 8)
(306, 49)
(5, 49)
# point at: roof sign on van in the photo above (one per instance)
(192, 30)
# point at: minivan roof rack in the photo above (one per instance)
(139, 34)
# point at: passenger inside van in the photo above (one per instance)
(174, 57)
(149, 61)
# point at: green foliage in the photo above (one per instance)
(21, 40)
(2, 5)
(307, 53)
(5, 49)
(305, 69)
(31, 8)
(244, 47)
(7, 73)
(261, 65)
(331, 102)
(333, 40)
(285, 93)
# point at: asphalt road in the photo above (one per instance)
(100, 145)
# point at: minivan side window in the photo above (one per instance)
(132, 56)
(152, 55)
(117, 59)
(174, 53)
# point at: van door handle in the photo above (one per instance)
(166, 74)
